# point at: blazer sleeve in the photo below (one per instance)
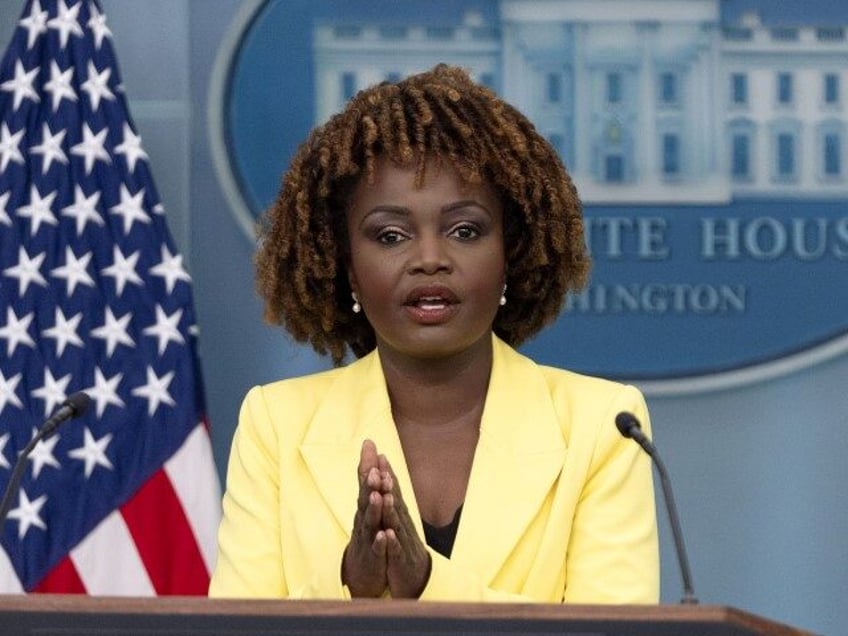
(251, 559)
(249, 554)
(613, 553)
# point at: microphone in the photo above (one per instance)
(629, 426)
(74, 405)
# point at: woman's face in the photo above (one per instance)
(427, 264)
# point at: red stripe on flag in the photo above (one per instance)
(63, 579)
(165, 540)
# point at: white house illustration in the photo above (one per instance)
(647, 101)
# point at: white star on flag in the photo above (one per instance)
(130, 208)
(114, 331)
(5, 219)
(74, 271)
(131, 147)
(8, 391)
(166, 328)
(4, 439)
(16, 331)
(27, 513)
(27, 270)
(64, 331)
(60, 86)
(97, 24)
(35, 23)
(21, 85)
(92, 452)
(66, 23)
(123, 269)
(50, 147)
(97, 85)
(53, 391)
(105, 391)
(42, 454)
(91, 147)
(83, 209)
(171, 269)
(155, 391)
(9, 150)
(38, 211)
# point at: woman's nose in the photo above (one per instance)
(430, 255)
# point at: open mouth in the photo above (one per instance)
(431, 296)
(431, 304)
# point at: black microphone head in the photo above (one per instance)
(78, 403)
(626, 423)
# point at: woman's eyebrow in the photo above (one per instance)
(396, 210)
(465, 203)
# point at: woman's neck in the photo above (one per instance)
(439, 392)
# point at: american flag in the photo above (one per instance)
(93, 296)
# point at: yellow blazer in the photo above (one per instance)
(559, 507)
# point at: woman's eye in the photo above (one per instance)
(389, 237)
(466, 232)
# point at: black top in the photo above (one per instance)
(441, 539)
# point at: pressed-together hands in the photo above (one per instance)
(385, 550)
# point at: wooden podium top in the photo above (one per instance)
(70, 615)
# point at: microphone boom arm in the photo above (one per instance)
(74, 406)
(629, 426)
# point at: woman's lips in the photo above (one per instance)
(431, 304)
(432, 294)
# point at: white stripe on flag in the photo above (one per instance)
(9, 582)
(195, 480)
(108, 562)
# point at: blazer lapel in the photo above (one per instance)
(356, 408)
(520, 454)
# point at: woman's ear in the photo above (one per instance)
(351, 280)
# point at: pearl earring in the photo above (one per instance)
(502, 301)
(356, 306)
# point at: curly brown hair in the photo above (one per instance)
(441, 115)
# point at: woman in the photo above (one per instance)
(428, 229)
